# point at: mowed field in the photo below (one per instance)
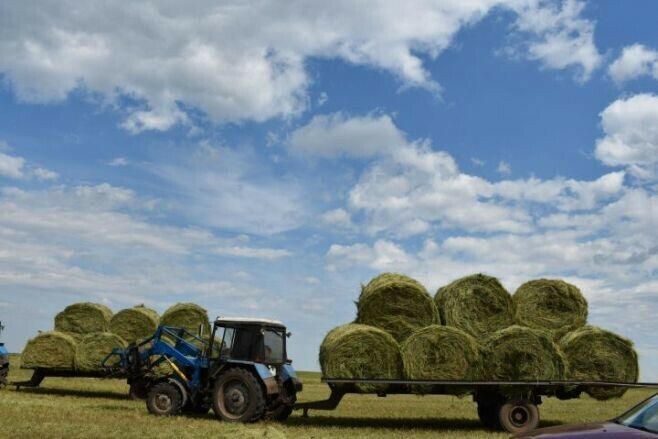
(65, 407)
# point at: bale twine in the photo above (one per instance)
(595, 354)
(134, 324)
(397, 304)
(83, 318)
(188, 316)
(550, 304)
(360, 351)
(94, 348)
(440, 353)
(520, 353)
(477, 304)
(52, 350)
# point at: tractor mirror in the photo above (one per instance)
(288, 334)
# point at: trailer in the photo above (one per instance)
(507, 405)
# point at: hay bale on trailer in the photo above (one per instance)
(134, 324)
(51, 350)
(360, 351)
(94, 348)
(477, 304)
(520, 353)
(595, 354)
(186, 315)
(550, 304)
(83, 318)
(397, 304)
(441, 353)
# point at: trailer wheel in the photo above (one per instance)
(164, 399)
(518, 416)
(238, 396)
(488, 414)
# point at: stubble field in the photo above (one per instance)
(92, 408)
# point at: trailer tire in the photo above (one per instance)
(488, 414)
(238, 396)
(518, 416)
(164, 399)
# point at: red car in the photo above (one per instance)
(639, 422)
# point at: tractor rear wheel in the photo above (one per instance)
(238, 396)
(164, 399)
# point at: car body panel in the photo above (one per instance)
(594, 430)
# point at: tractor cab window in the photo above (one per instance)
(273, 341)
(252, 344)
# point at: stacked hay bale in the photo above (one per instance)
(85, 333)
(475, 330)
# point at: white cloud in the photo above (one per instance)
(563, 38)
(11, 166)
(252, 252)
(635, 61)
(338, 218)
(631, 134)
(477, 162)
(407, 188)
(335, 135)
(504, 168)
(119, 161)
(246, 60)
(44, 174)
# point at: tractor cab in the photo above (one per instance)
(259, 341)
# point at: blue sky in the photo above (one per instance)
(267, 160)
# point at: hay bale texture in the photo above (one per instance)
(441, 353)
(94, 348)
(188, 316)
(477, 304)
(595, 354)
(84, 318)
(550, 304)
(51, 350)
(360, 351)
(397, 304)
(134, 324)
(520, 353)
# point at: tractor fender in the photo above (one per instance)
(181, 387)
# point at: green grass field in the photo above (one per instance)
(66, 407)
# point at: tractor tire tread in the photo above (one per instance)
(255, 412)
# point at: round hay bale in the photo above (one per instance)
(360, 351)
(397, 304)
(477, 304)
(440, 353)
(94, 348)
(188, 316)
(550, 304)
(595, 354)
(83, 318)
(519, 353)
(52, 350)
(134, 324)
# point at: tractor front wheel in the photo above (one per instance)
(164, 399)
(238, 396)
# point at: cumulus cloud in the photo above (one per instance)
(408, 188)
(246, 60)
(631, 134)
(11, 166)
(635, 61)
(563, 38)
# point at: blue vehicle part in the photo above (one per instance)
(4, 362)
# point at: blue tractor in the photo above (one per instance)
(241, 370)
(4, 362)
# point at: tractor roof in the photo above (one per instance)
(249, 321)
